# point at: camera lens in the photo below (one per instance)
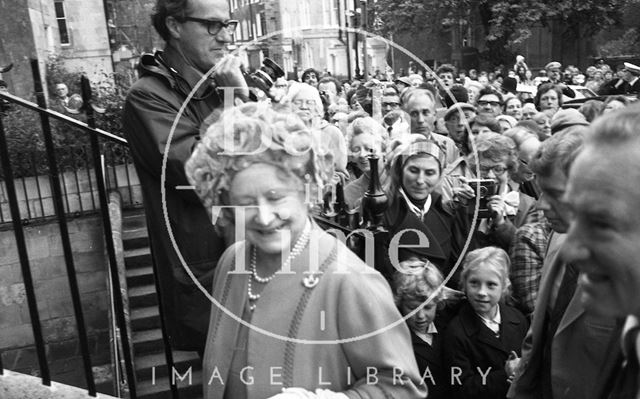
(265, 77)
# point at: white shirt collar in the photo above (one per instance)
(494, 323)
(428, 336)
(630, 323)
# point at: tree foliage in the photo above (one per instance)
(506, 23)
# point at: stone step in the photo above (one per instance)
(139, 276)
(135, 238)
(160, 388)
(138, 257)
(143, 296)
(133, 220)
(147, 341)
(145, 318)
(156, 364)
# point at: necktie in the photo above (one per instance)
(565, 293)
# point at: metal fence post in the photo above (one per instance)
(64, 231)
(24, 259)
(108, 233)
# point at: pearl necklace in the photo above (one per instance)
(298, 247)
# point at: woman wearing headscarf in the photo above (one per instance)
(417, 220)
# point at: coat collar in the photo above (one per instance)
(181, 75)
(473, 326)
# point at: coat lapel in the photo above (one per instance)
(574, 310)
(473, 326)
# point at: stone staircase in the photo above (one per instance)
(149, 357)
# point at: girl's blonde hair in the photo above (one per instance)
(493, 257)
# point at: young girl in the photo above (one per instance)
(414, 284)
(482, 344)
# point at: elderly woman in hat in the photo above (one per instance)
(416, 214)
(286, 292)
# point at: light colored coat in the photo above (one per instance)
(579, 344)
(294, 329)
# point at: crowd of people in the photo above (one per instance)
(509, 242)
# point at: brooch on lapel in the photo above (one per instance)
(311, 280)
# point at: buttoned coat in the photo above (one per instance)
(473, 348)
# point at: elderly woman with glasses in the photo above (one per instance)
(305, 101)
(366, 137)
(506, 207)
(286, 293)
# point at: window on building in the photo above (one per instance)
(262, 24)
(62, 22)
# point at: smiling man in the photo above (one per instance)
(196, 33)
(565, 346)
(604, 236)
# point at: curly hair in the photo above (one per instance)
(417, 281)
(492, 257)
(543, 88)
(447, 68)
(367, 125)
(164, 9)
(496, 147)
(255, 133)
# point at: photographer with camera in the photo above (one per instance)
(196, 33)
(502, 207)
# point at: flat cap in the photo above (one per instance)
(458, 107)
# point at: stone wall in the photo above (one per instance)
(55, 307)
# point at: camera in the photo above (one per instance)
(264, 78)
(484, 188)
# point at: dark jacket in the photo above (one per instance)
(444, 229)
(469, 344)
(431, 356)
(149, 113)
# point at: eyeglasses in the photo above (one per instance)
(214, 26)
(497, 169)
(308, 103)
(484, 103)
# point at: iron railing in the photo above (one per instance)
(103, 148)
